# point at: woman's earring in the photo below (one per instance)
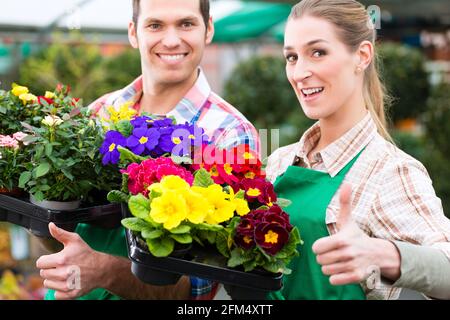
(358, 70)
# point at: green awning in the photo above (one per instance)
(248, 20)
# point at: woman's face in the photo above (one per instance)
(321, 68)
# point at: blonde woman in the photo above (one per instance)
(364, 208)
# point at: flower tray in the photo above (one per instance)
(21, 212)
(200, 262)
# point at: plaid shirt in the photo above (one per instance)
(393, 197)
(225, 126)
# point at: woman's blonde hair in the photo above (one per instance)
(353, 26)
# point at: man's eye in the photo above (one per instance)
(154, 26)
(187, 24)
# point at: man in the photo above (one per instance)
(171, 36)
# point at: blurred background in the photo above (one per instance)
(84, 43)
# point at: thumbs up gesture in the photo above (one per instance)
(72, 272)
(350, 255)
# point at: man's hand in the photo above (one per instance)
(74, 271)
(350, 255)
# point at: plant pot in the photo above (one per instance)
(243, 293)
(56, 205)
(156, 276)
(15, 192)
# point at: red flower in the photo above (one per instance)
(42, 98)
(260, 190)
(271, 237)
(244, 237)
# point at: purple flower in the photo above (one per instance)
(143, 139)
(165, 144)
(185, 136)
(143, 121)
(113, 139)
(161, 123)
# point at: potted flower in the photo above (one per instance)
(65, 165)
(12, 157)
(196, 194)
(17, 105)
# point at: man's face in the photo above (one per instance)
(171, 36)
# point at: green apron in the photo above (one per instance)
(311, 192)
(103, 240)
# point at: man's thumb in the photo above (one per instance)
(59, 234)
(345, 211)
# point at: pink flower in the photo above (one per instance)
(19, 136)
(141, 176)
(9, 142)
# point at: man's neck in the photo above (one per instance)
(162, 98)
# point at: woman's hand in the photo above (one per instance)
(350, 255)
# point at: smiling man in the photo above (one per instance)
(171, 36)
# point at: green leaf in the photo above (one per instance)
(134, 224)
(161, 247)
(283, 203)
(203, 179)
(24, 178)
(180, 229)
(289, 249)
(209, 227)
(42, 169)
(240, 195)
(139, 206)
(39, 196)
(48, 149)
(237, 258)
(67, 174)
(125, 183)
(125, 127)
(263, 208)
(182, 238)
(116, 196)
(250, 265)
(127, 156)
(275, 267)
(150, 233)
(222, 244)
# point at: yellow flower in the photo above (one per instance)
(172, 183)
(124, 112)
(169, 209)
(27, 97)
(223, 208)
(241, 205)
(18, 90)
(49, 95)
(52, 121)
(198, 207)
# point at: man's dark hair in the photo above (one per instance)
(204, 10)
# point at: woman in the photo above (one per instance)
(330, 63)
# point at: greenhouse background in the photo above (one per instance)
(46, 42)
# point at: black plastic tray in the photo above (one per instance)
(21, 212)
(201, 262)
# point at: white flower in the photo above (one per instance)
(52, 121)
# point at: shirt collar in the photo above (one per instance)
(339, 153)
(185, 110)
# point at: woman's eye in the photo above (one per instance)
(318, 53)
(291, 58)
